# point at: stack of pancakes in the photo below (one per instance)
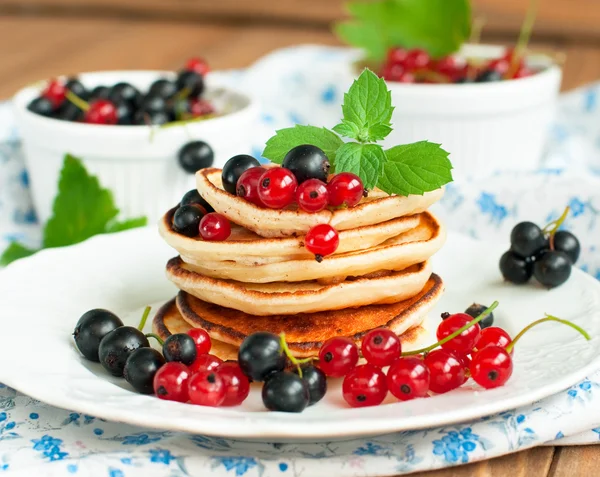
(262, 278)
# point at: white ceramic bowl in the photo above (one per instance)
(485, 126)
(140, 168)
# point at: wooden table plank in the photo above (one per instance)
(576, 461)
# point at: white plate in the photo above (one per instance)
(42, 298)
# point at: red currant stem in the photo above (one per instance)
(289, 355)
(483, 314)
(174, 124)
(476, 29)
(548, 317)
(432, 76)
(77, 101)
(553, 226)
(156, 337)
(524, 36)
(144, 318)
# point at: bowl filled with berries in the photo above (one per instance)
(490, 105)
(143, 133)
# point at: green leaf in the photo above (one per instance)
(379, 132)
(438, 26)
(367, 104)
(364, 160)
(13, 252)
(115, 226)
(347, 129)
(82, 208)
(285, 139)
(415, 169)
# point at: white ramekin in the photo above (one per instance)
(137, 163)
(486, 127)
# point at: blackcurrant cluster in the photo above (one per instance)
(195, 217)
(548, 254)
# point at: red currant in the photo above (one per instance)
(464, 342)
(101, 111)
(199, 65)
(446, 372)
(345, 188)
(205, 361)
(338, 356)
(393, 72)
(408, 378)
(171, 382)
(491, 367)
(200, 107)
(493, 336)
(215, 227)
(206, 388)
(322, 240)
(365, 385)
(237, 386)
(500, 65)
(312, 195)
(396, 56)
(55, 91)
(247, 185)
(417, 59)
(201, 339)
(381, 347)
(523, 72)
(277, 187)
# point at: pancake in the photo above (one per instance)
(377, 208)
(244, 246)
(397, 253)
(168, 321)
(305, 333)
(300, 297)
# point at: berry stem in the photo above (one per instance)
(77, 101)
(524, 36)
(433, 76)
(474, 321)
(553, 226)
(548, 317)
(156, 337)
(144, 318)
(476, 29)
(289, 355)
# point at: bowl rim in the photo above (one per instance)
(22, 97)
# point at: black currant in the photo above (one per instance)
(234, 168)
(140, 368)
(190, 82)
(186, 220)
(195, 155)
(125, 113)
(285, 392)
(116, 347)
(152, 103)
(316, 381)
(514, 268)
(125, 92)
(91, 328)
(164, 88)
(69, 112)
(156, 118)
(567, 242)
(42, 106)
(465, 80)
(527, 239)
(475, 310)
(307, 162)
(193, 197)
(488, 76)
(99, 92)
(180, 347)
(552, 269)
(77, 88)
(260, 355)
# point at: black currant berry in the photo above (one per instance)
(69, 112)
(125, 92)
(260, 355)
(316, 381)
(567, 242)
(157, 118)
(488, 76)
(118, 345)
(186, 220)
(91, 328)
(190, 82)
(41, 106)
(140, 368)
(475, 310)
(125, 113)
(514, 268)
(164, 88)
(180, 347)
(195, 155)
(152, 103)
(307, 162)
(99, 92)
(77, 88)
(234, 168)
(527, 239)
(285, 392)
(193, 197)
(552, 269)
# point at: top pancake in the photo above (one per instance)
(377, 208)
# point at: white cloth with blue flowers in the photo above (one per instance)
(300, 85)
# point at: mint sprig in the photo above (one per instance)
(367, 112)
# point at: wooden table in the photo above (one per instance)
(43, 38)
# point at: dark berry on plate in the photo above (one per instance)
(234, 168)
(277, 187)
(190, 82)
(488, 76)
(237, 385)
(206, 388)
(193, 197)
(315, 380)
(552, 269)
(91, 328)
(285, 392)
(307, 162)
(118, 345)
(195, 155)
(567, 242)
(125, 113)
(515, 269)
(157, 118)
(247, 185)
(152, 103)
(475, 310)
(260, 355)
(69, 112)
(101, 112)
(77, 88)
(125, 92)
(171, 382)
(180, 347)
(141, 367)
(186, 220)
(42, 106)
(215, 227)
(527, 239)
(345, 189)
(163, 88)
(99, 92)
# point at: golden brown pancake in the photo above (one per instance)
(306, 332)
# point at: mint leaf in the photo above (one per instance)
(14, 252)
(415, 169)
(347, 129)
(126, 225)
(285, 139)
(364, 160)
(379, 132)
(367, 106)
(438, 26)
